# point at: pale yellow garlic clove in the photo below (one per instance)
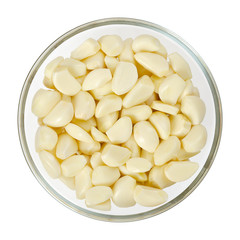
(138, 165)
(194, 108)
(105, 176)
(137, 113)
(180, 125)
(111, 63)
(83, 182)
(183, 155)
(98, 194)
(75, 67)
(49, 69)
(146, 43)
(121, 130)
(153, 97)
(153, 62)
(157, 81)
(171, 88)
(44, 101)
(98, 93)
(96, 78)
(86, 49)
(141, 70)
(111, 45)
(180, 66)
(68, 181)
(96, 160)
(158, 179)
(161, 123)
(105, 206)
(123, 191)
(178, 171)
(95, 61)
(162, 51)
(60, 115)
(147, 155)
(140, 177)
(139, 93)
(89, 148)
(195, 140)
(167, 150)
(50, 164)
(46, 138)
(108, 104)
(98, 135)
(127, 54)
(66, 146)
(195, 92)
(124, 78)
(106, 122)
(146, 136)
(149, 196)
(73, 165)
(132, 146)
(115, 156)
(188, 90)
(86, 125)
(165, 108)
(84, 111)
(78, 133)
(64, 82)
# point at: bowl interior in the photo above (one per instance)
(62, 47)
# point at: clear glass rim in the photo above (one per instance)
(197, 180)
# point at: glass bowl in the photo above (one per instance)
(202, 78)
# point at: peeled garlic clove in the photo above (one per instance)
(96, 78)
(68, 181)
(75, 67)
(195, 92)
(50, 164)
(194, 108)
(157, 178)
(141, 70)
(167, 150)
(180, 125)
(195, 140)
(98, 135)
(183, 155)
(111, 63)
(45, 139)
(44, 101)
(105, 176)
(83, 182)
(127, 54)
(105, 206)
(66, 146)
(157, 81)
(98, 93)
(165, 108)
(95, 61)
(121, 130)
(146, 43)
(149, 196)
(147, 155)
(178, 171)
(138, 165)
(98, 194)
(96, 160)
(139, 93)
(188, 90)
(161, 123)
(115, 156)
(73, 165)
(106, 122)
(86, 125)
(123, 192)
(162, 51)
(180, 66)
(108, 104)
(78, 133)
(153, 97)
(153, 62)
(146, 136)
(89, 148)
(60, 115)
(86, 49)
(140, 177)
(124, 78)
(132, 146)
(171, 89)
(137, 113)
(111, 45)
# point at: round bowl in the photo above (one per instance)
(202, 78)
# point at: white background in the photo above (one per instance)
(27, 211)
